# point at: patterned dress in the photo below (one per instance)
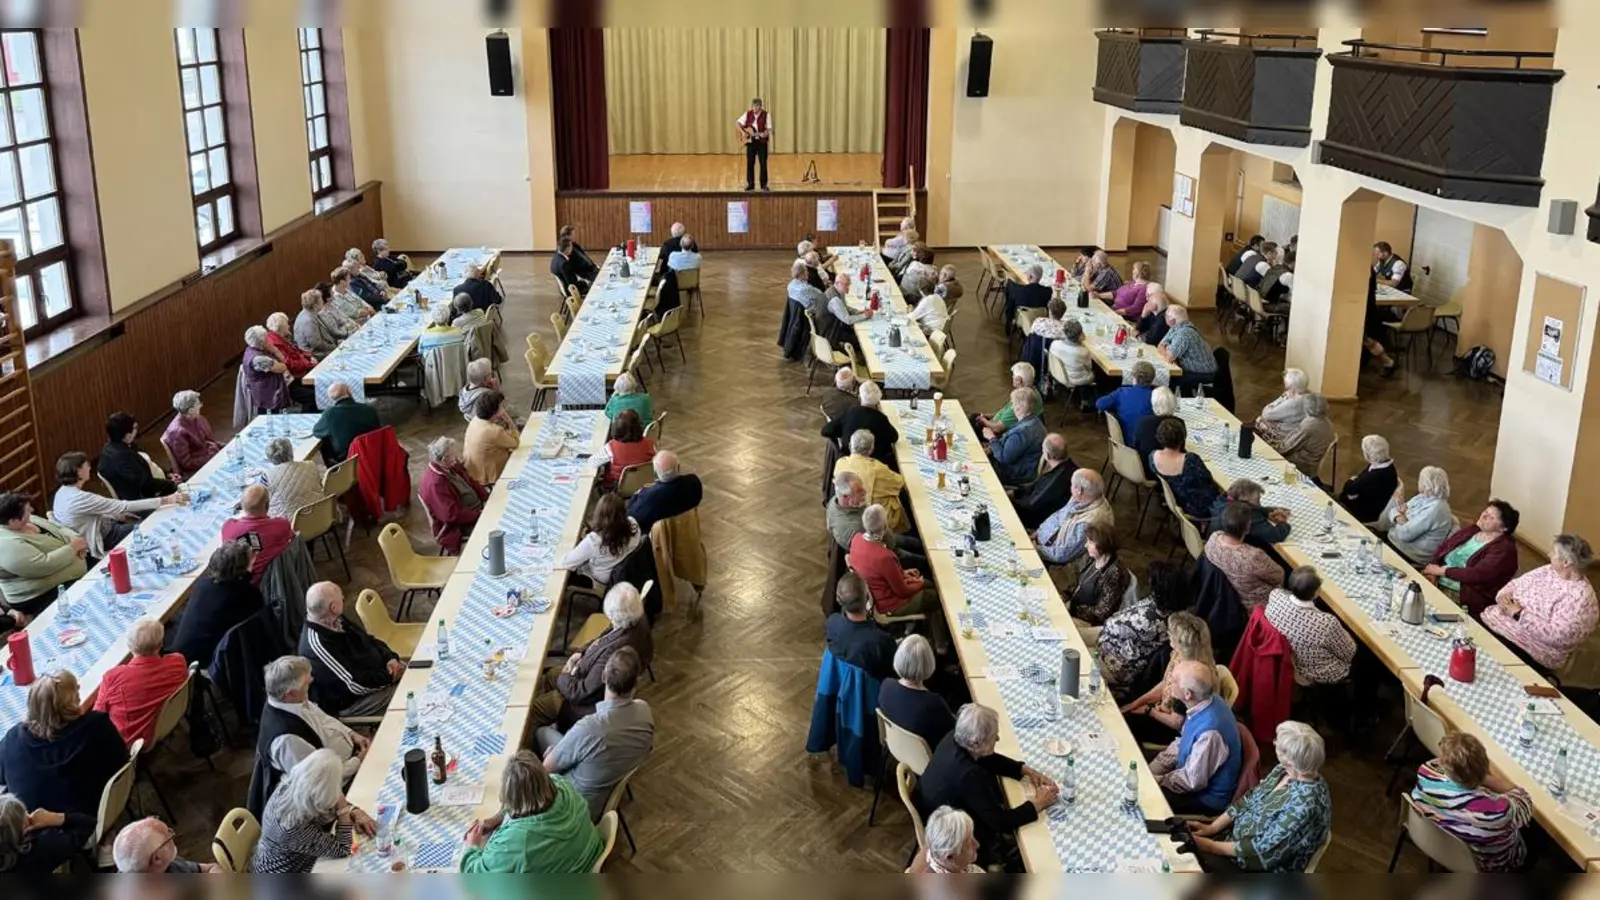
(1280, 829)
(1489, 823)
(1133, 647)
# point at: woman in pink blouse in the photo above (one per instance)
(1130, 298)
(1251, 572)
(188, 436)
(1548, 612)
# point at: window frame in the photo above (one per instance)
(213, 195)
(324, 168)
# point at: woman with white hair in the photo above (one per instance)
(628, 394)
(1074, 356)
(1163, 406)
(440, 332)
(344, 298)
(133, 693)
(902, 239)
(280, 339)
(291, 483)
(930, 313)
(332, 316)
(453, 498)
(1023, 375)
(1307, 444)
(569, 693)
(964, 774)
(38, 842)
(263, 377)
(952, 847)
(307, 819)
(1368, 491)
(311, 331)
(1282, 824)
(1549, 612)
(948, 286)
(188, 436)
(906, 700)
(1417, 526)
(1283, 415)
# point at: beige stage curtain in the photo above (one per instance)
(678, 90)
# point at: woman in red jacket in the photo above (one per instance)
(1478, 560)
(454, 499)
(627, 447)
(281, 339)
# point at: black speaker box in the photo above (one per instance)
(500, 81)
(978, 63)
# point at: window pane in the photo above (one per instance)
(5, 120)
(313, 37)
(305, 68)
(216, 132)
(25, 308)
(319, 101)
(202, 224)
(186, 46)
(198, 175)
(44, 225)
(57, 295)
(191, 88)
(10, 192)
(319, 133)
(219, 167)
(327, 171)
(22, 58)
(11, 230)
(205, 43)
(305, 37)
(225, 215)
(28, 106)
(210, 85)
(315, 60)
(38, 171)
(194, 126)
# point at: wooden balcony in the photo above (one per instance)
(1253, 88)
(1141, 69)
(1461, 124)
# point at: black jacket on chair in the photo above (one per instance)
(794, 334)
(129, 474)
(1218, 603)
(213, 609)
(482, 293)
(884, 434)
(1048, 493)
(1221, 388)
(239, 665)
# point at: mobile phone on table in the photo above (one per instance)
(1443, 617)
(420, 664)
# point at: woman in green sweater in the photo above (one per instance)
(626, 395)
(543, 826)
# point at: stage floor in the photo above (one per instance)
(725, 172)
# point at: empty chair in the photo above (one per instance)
(668, 325)
(543, 384)
(411, 572)
(689, 288)
(315, 521)
(235, 841)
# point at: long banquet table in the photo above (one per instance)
(913, 366)
(596, 347)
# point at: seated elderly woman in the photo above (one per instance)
(1023, 377)
(480, 381)
(396, 268)
(1074, 356)
(453, 498)
(1134, 641)
(37, 557)
(802, 291)
(1322, 649)
(291, 483)
(1282, 824)
(893, 247)
(370, 284)
(1370, 490)
(1249, 569)
(1163, 408)
(60, 757)
(344, 298)
(919, 271)
(951, 848)
(1185, 473)
(1307, 444)
(280, 340)
(1462, 795)
(490, 439)
(39, 842)
(1102, 578)
(188, 436)
(134, 692)
(1478, 560)
(543, 826)
(964, 773)
(334, 317)
(629, 395)
(440, 332)
(626, 446)
(1152, 325)
(570, 692)
(948, 286)
(266, 385)
(311, 330)
(1549, 612)
(1416, 527)
(906, 700)
(1016, 451)
(102, 521)
(1128, 300)
(307, 819)
(1268, 525)
(1052, 327)
(1282, 416)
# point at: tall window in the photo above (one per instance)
(30, 194)
(314, 83)
(210, 175)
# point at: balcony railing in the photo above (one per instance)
(1141, 70)
(1253, 88)
(1465, 132)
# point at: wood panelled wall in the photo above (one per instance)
(776, 220)
(186, 335)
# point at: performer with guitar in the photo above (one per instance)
(755, 129)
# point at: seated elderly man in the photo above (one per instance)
(844, 513)
(853, 636)
(134, 692)
(1200, 768)
(1309, 443)
(366, 282)
(479, 288)
(1101, 279)
(965, 774)
(843, 397)
(453, 498)
(1061, 538)
(1016, 451)
(267, 534)
(396, 269)
(1023, 375)
(352, 672)
(844, 321)
(311, 331)
(895, 590)
(802, 291)
(1268, 524)
(299, 726)
(342, 422)
(291, 483)
(867, 416)
(1028, 295)
(1049, 492)
(883, 484)
(672, 494)
(603, 747)
(149, 846)
(1186, 347)
(480, 381)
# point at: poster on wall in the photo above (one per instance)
(1550, 340)
(1548, 368)
(639, 217)
(827, 215)
(1182, 194)
(739, 217)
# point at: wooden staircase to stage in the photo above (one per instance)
(889, 207)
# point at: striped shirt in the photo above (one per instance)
(1487, 822)
(292, 850)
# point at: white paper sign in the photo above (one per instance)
(739, 217)
(461, 795)
(1547, 368)
(639, 217)
(1550, 340)
(1001, 673)
(1048, 634)
(828, 216)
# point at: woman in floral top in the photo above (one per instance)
(1134, 643)
(1281, 825)
(1548, 612)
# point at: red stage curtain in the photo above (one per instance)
(905, 113)
(578, 108)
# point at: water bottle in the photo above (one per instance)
(413, 722)
(64, 607)
(1130, 786)
(1527, 731)
(1558, 778)
(1094, 682)
(443, 651)
(1328, 518)
(1069, 781)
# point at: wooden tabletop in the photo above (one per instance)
(849, 262)
(1390, 296)
(1037, 849)
(646, 260)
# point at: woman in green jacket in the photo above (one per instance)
(543, 826)
(627, 395)
(36, 556)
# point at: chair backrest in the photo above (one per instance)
(1125, 461)
(561, 286)
(1322, 848)
(1418, 318)
(374, 615)
(172, 460)
(634, 479)
(938, 339)
(907, 748)
(574, 304)
(1249, 763)
(314, 519)
(653, 430)
(821, 349)
(1191, 533)
(560, 325)
(175, 708)
(949, 363)
(1057, 367)
(1227, 685)
(337, 481)
(669, 323)
(1114, 430)
(620, 790)
(1330, 461)
(638, 354)
(535, 340)
(535, 367)
(906, 781)
(608, 833)
(1441, 846)
(1236, 286)
(688, 279)
(110, 491)
(235, 841)
(1425, 723)
(114, 796)
(1025, 317)
(397, 550)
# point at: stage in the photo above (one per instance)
(697, 190)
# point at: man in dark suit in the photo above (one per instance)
(343, 422)
(867, 417)
(1027, 295)
(567, 266)
(668, 247)
(479, 288)
(1051, 490)
(842, 398)
(122, 465)
(585, 263)
(397, 269)
(673, 494)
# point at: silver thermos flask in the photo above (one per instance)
(1412, 609)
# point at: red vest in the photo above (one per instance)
(756, 120)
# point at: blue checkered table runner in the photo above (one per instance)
(602, 334)
(364, 354)
(1099, 322)
(100, 613)
(1021, 256)
(905, 368)
(459, 705)
(1095, 834)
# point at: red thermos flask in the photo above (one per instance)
(117, 562)
(633, 248)
(21, 661)
(1463, 660)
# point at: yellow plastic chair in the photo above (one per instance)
(560, 325)
(409, 571)
(1186, 526)
(339, 481)
(1418, 320)
(1316, 858)
(906, 781)
(906, 748)
(823, 353)
(171, 715)
(668, 325)
(942, 379)
(939, 340)
(635, 478)
(110, 491)
(235, 841)
(614, 808)
(543, 384)
(1441, 846)
(689, 289)
(114, 796)
(374, 616)
(608, 832)
(656, 427)
(315, 522)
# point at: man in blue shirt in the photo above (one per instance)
(1131, 402)
(1186, 348)
(1016, 450)
(1060, 539)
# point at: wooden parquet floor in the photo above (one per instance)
(730, 787)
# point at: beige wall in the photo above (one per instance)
(1154, 158)
(541, 136)
(277, 110)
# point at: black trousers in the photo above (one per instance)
(753, 151)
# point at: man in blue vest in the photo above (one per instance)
(1200, 769)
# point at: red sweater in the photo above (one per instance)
(133, 693)
(623, 455)
(275, 535)
(297, 361)
(451, 517)
(1486, 572)
(880, 569)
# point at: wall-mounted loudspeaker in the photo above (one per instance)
(978, 62)
(1563, 216)
(500, 81)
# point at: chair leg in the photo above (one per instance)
(1399, 844)
(633, 849)
(877, 791)
(681, 355)
(811, 376)
(337, 545)
(1144, 509)
(157, 788)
